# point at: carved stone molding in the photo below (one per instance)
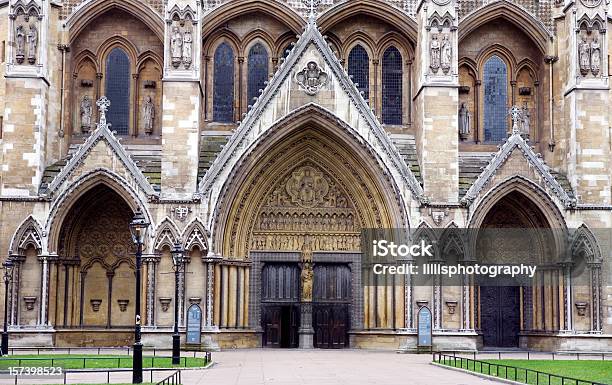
(165, 303)
(581, 307)
(311, 78)
(123, 303)
(95, 304)
(451, 306)
(29, 302)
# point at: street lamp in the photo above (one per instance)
(8, 275)
(178, 258)
(138, 228)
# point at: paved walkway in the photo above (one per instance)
(302, 367)
(325, 367)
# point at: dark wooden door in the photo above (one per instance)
(280, 315)
(331, 304)
(500, 315)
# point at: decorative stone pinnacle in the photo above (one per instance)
(312, 5)
(103, 103)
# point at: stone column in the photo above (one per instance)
(436, 101)
(585, 143)
(181, 99)
(151, 264)
(596, 319)
(306, 331)
(209, 330)
(44, 295)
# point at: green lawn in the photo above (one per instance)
(93, 361)
(587, 370)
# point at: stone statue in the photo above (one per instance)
(86, 111)
(20, 38)
(148, 115)
(176, 47)
(434, 54)
(517, 118)
(446, 54)
(464, 122)
(187, 48)
(526, 120)
(595, 57)
(584, 56)
(307, 276)
(32, 44)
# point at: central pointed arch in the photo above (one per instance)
(308, 166)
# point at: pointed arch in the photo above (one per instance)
(585, 245)
(64, 201)
(514, 14)
(372, 8)
(166, 234)
(231, 9)
(452, 241)
(424, 232)
(196, 235)
(85, 15)
(28, 234)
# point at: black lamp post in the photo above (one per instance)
(138, 228)
(177, 265)
(8, 275)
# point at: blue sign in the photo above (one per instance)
(424, 326)
(194, 324)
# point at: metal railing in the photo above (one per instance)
(77, 362)
(72, 376)
(173, 379)
(529, 355)
(507, 372)
(98, 351)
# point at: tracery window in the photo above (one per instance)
(258, 71)
(495, 99)
(392, 86)
(223, 84)
(359, 69)
(118, 90)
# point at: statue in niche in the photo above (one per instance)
(20, 38)
(526, 120)
(446, 54)
(148, 115)
(464, 122)
(86, 111)
(32, 43)
(176, 47)
(584, 56)
(434, 54)
(595, 57)
(187, 48)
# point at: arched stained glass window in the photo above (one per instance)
(359, 69)
(258, 71)
(223, 84)
(118, 90)
(392, 86)
(495, 99)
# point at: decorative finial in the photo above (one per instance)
(103, 103)
(312, 5)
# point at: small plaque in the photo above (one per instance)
(194, 325)
(424, 328)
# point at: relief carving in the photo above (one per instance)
(176, 47)
(148, 115)
(312, 78)
(86, 112)
(434, 54)
(446, 55)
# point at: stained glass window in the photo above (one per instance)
(359, 69)
(258, 71)
(118, 90)
(392, 86)
(223, 84)
(495, 99)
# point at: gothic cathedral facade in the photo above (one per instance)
(262, 136)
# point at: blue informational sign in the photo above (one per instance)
(194, 324)
(424, 326)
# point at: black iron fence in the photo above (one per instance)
(98, 351)
(173, 379)
(526, 376)
(526, 354)
(77, 362)
(100, 376)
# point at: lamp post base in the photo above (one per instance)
(176, 349)
(137, 364)
(5, 340)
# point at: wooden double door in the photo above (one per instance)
(500, 315)
(282, 309)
